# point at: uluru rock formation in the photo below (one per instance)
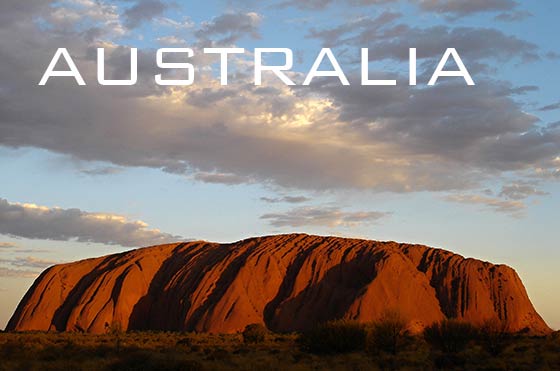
(287, 282)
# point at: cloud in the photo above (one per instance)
(409, 128)
(14, 247)
(322, 4)
(21, 273)
(514, 16)
(29, 262)
(94, 19)
(550, 107)
(230, 27)
(171, 40)
(220, 178)
(17, 10)
(513, 207)
(183, 24)
(454, 8)
(286, 199)
(466, 7)
(41, 222)
(401, 139)
(322, 216)
(387, 39)
(520, 191)
(107, 170)
(143, 10)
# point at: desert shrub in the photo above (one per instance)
(151, 361)
(254, 333)
(218, 354)
(494, 336)
(14, 348)
(449, 361)
(449, 335)
(387, 334)
(115, 328)
(187, 342)
(341, 336)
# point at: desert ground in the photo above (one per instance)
(338, 346)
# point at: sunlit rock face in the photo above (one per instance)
(288, 282)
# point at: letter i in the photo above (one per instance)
(412, 71)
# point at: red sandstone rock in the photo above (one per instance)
(288, 282)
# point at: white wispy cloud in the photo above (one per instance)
(24, 273)
(171, 40)
(286, 199)
(512, 207)
(322, 216)
(521, 191)
(29, 262)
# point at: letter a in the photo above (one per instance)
(73, 72)
(462, 69)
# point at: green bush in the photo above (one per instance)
(450, 336)
(387, 334)
(254, 333)
(341, 336)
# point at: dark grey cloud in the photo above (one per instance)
(492, 134)
(466, 7)
(39, 222)
(322, 216)
(387, 39)
(550, 107)
(12, 11)
(142, 11)
(286, 199)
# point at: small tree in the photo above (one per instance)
(115, 330)
(254, 333)
(450, 335)
(388, 333)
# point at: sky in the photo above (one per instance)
(92, 170)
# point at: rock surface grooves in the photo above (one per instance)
(287, 282)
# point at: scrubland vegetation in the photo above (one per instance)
(337, 345)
